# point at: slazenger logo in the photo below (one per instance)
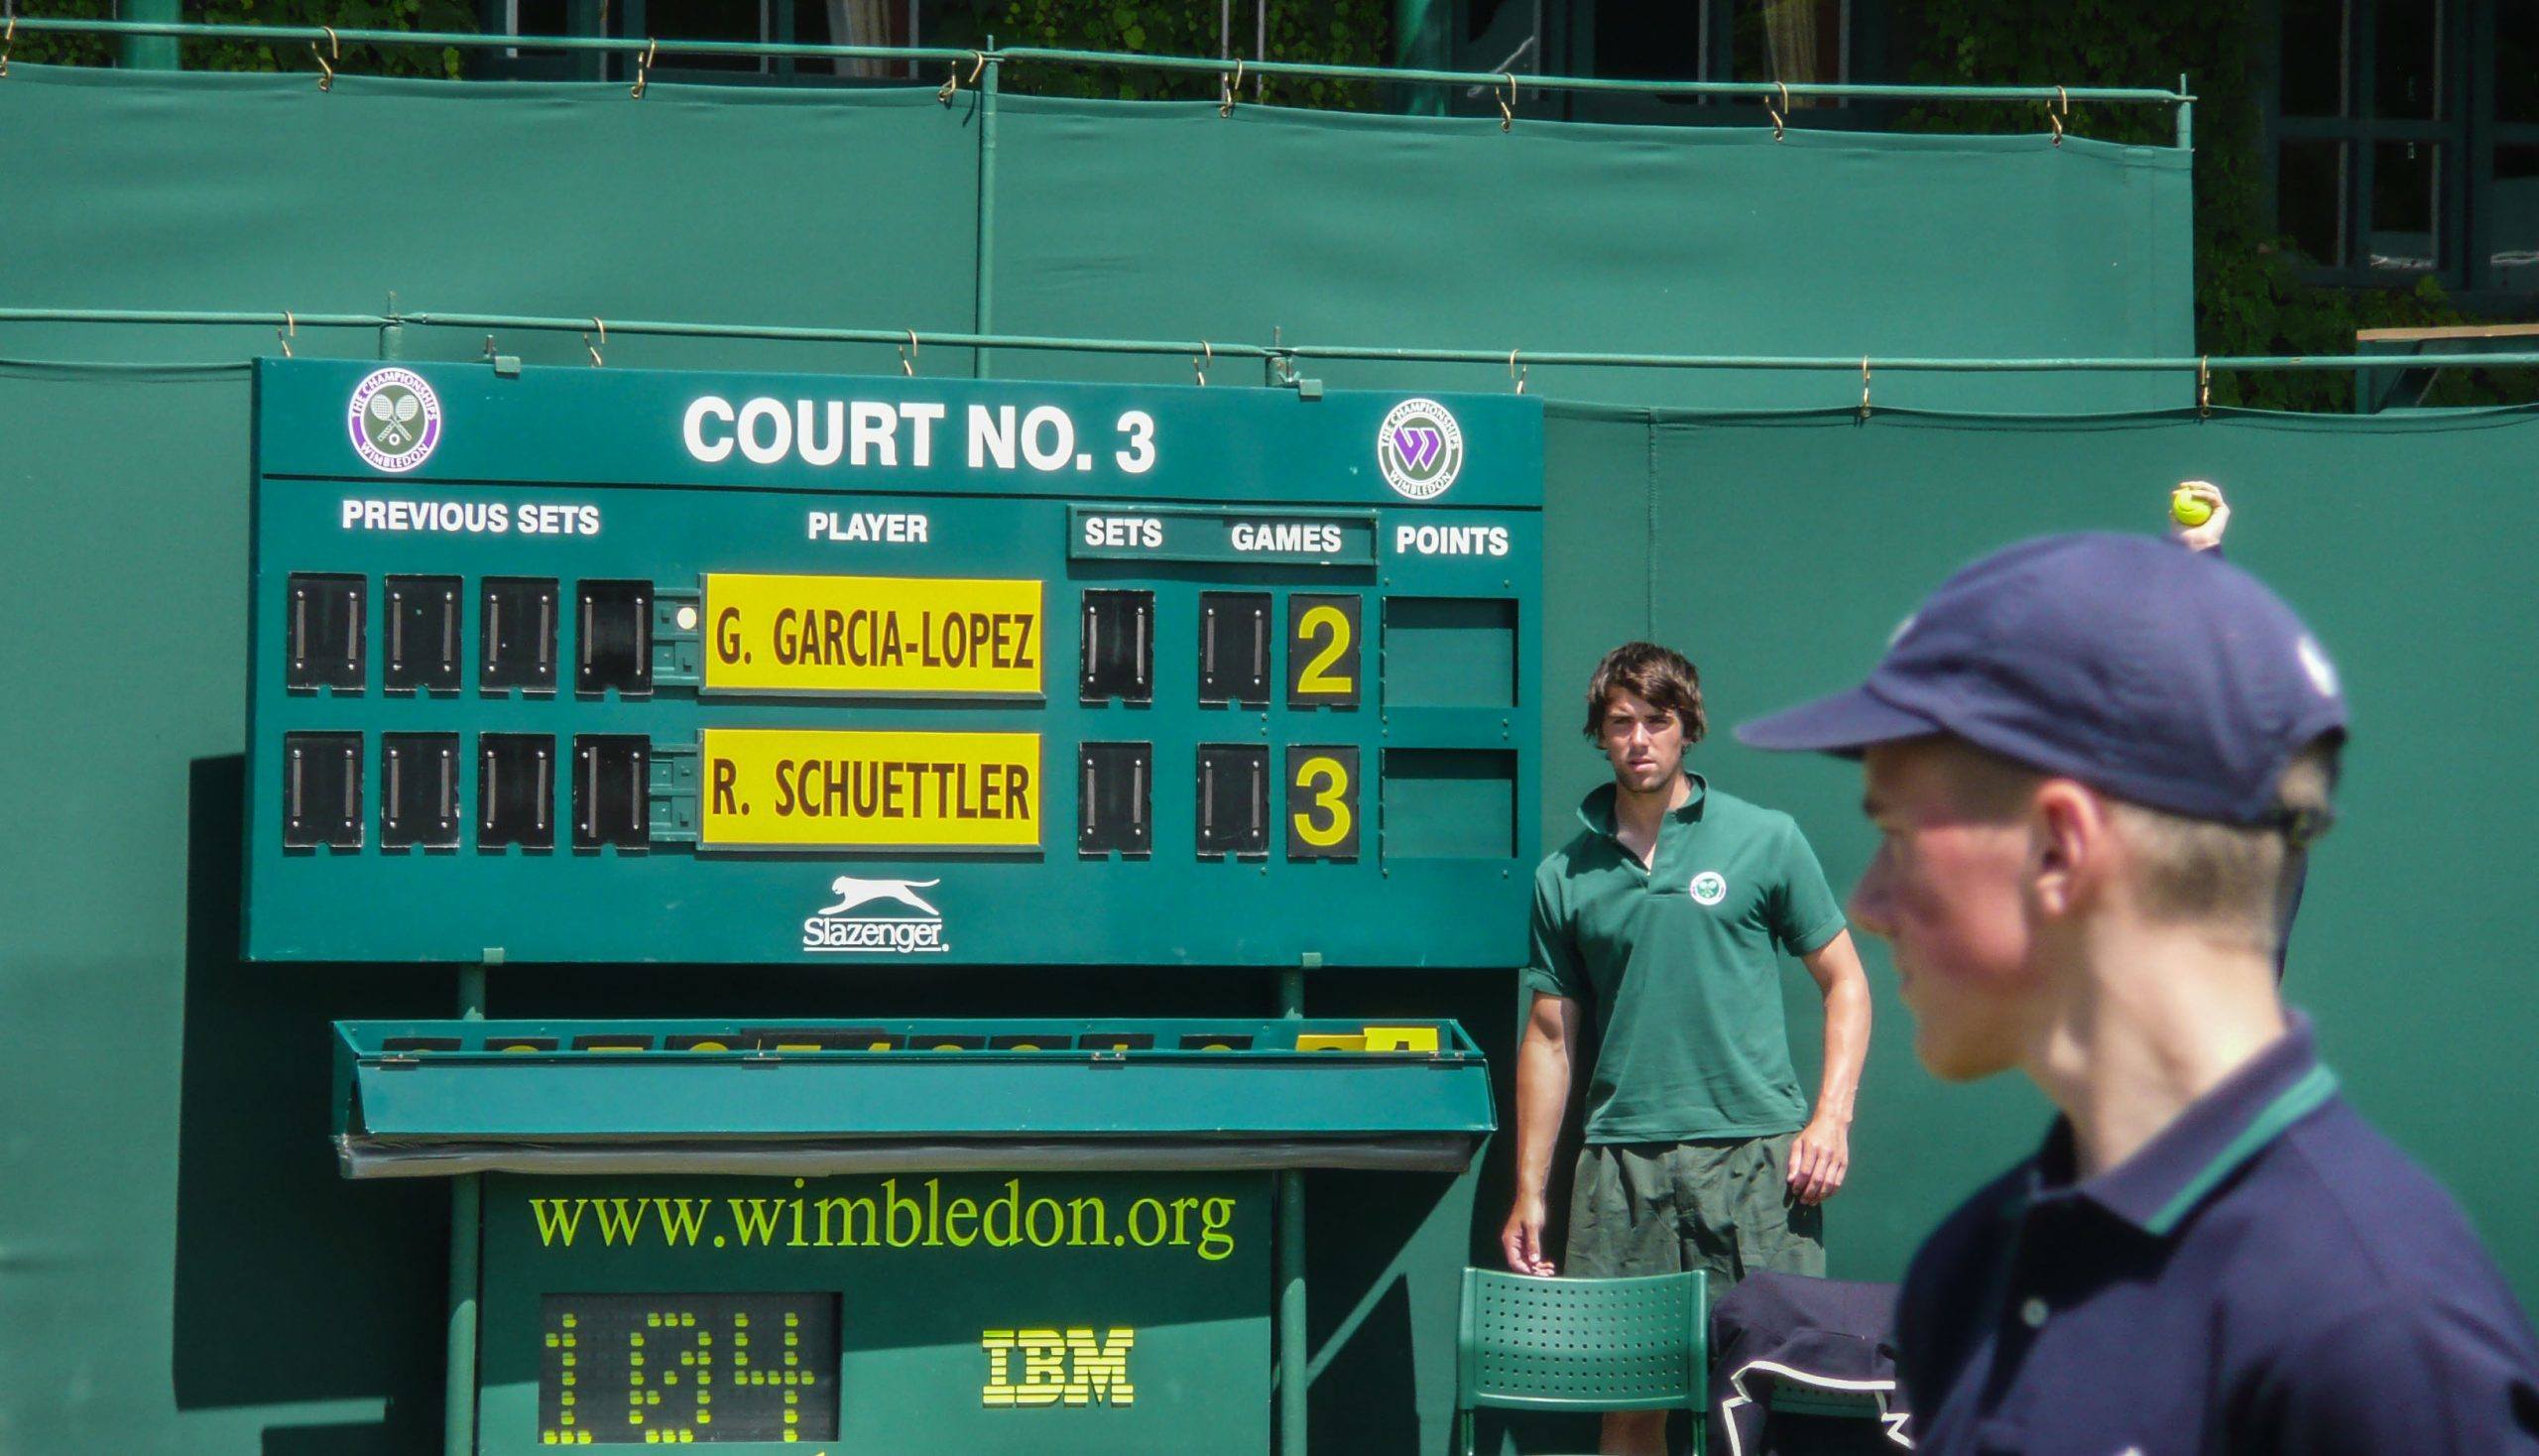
(395, 420)
(1709, 886)
(1419, 448)
(838, 930)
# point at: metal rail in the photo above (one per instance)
(1029, 54)
(1283, 353)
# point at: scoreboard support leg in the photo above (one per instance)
(466, 1216)
(1294, 1362)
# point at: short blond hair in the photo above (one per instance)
(2235, 880)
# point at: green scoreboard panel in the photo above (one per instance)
(585, 664)
(1072, 1315)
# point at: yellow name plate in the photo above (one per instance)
(910, 636)
(815, 788)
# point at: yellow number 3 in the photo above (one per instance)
(1331, 827)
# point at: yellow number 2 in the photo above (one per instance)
(1330, 798)
(1317, 675)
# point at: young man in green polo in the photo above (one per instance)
(1665, 921)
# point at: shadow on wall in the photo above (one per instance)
(293, 1286)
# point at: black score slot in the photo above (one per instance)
(1233, 801)
(613, 635)
(516, 790)
(422, 635)
(1115, 793)
(1118, 647)
(516, 617)
(418, 791)
(324, 630)
(322, 790)
(1234, 647)
(611, 802)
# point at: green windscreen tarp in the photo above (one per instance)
(866, 210)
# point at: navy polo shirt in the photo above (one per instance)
(2267, 1275)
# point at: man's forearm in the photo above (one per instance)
(1846, 1019)
(1542, 1099)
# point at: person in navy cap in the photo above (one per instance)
(2096, 761)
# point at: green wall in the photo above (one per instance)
(1779, 551)
(179, 1267)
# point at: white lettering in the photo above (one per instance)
(814, 450)
(992, 437)
(1450, 540)
(774, 447)
(1050, 424)
(921, 444)
(874, 426)
(896, 526)
(693, 431)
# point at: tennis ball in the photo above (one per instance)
(2189, 509)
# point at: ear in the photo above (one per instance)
(2072, 846)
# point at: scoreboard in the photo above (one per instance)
(597, 664)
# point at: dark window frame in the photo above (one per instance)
(2468, 230)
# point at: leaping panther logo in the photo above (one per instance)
(852, 891)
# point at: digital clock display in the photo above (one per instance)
(675, 1369)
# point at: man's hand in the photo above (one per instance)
(1818, 1160)
(1522, 1238)
(2208, 536)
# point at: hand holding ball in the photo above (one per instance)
(2190, 507)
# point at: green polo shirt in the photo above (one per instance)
(1680, 965)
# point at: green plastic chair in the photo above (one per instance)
(1582, 1344)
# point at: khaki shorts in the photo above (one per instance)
(1723, 1206)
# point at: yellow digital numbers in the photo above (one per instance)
(1323, 650)
(1322, 801)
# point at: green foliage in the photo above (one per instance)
(350, 15)
(2251, 298)
(1330, 32)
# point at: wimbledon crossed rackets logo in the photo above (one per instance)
(1420, 449)
(395, 420)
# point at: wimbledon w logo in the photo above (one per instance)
(1420, 449)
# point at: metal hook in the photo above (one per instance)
(290, 330)
(1515, 373)
(489, 346)
(907, 356)
(2057, 123)
(2063, 104)
(2203, 388)
(326, 78)
(603, 339)
(8, 39)
(1863, 387)
(644, 69)
(1199, 366)
(953, 77)
(1231, 88)
(1508, 104)
(1780, 129)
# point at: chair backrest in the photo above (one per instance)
(1635, 1344)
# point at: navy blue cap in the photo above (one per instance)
(2162, 676)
